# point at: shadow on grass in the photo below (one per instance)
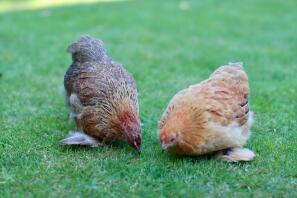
(194, 159)
(114, 147)
(202, 158)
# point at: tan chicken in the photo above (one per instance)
(102, 97)
(212, 116)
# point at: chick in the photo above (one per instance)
(102, 97)
(212, 116)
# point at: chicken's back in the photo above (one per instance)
(97, 81)
(231, 74)
(92, 71)
(224, 94)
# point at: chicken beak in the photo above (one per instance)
(164, 148)
(136, 146)
(139, 151)
(133, 137)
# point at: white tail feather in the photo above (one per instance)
(80, 138)
(237, 154)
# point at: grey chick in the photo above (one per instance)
(102, 97)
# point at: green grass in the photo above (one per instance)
(166, 49)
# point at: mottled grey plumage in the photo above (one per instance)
(100, 92)
(87, 49)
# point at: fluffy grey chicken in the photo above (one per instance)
(102, 97)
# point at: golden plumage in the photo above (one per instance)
(210, 116)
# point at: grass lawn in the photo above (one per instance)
(166, 48)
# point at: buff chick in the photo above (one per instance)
(102, 97)
(210, 117)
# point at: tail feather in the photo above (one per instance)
(233, 72)
(87, 49)
(80, 138)
(236, 155)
